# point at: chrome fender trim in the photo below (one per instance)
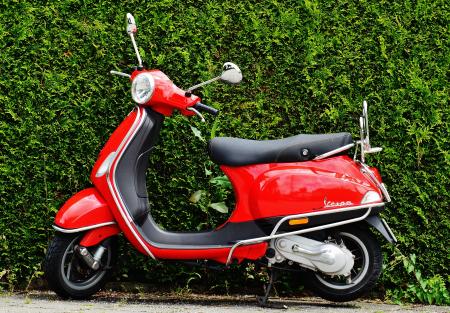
(77, 230)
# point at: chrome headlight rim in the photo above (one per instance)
(136, 87)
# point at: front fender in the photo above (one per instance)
(85, 210)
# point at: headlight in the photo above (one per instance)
(142, 88)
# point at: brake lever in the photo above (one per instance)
(120, 74)
(197, 112)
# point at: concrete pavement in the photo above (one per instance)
(37, 302)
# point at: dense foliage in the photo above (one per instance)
(307, 67)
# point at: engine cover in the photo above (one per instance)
(328, 258)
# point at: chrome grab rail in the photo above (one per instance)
(352, 208)
(273, 234)
(335, 151)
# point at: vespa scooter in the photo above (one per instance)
(301, 201)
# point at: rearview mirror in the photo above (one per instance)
(131, 24)
(231, 73)
(132, 30)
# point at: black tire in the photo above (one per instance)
(68, 275)
(365, 272)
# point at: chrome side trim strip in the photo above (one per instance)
(297, 232)
(325, 155)
(77, 230)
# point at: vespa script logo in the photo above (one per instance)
(331, 204)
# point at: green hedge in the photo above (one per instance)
(307, 67)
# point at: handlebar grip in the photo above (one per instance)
(202, 107)
(120, 74)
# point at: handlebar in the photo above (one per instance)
(120, 74)
(203, 107)
(196, 108)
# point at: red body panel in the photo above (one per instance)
(97, 235)
(279, 189)
(261, 190)
(376, 173)
(168, 97)
(111, 145)
(250, 252)
(105, 184)
(85, 208)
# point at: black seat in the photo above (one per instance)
(238, 152)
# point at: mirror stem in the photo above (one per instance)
(189, 91)
(136, 50)
(366, 117)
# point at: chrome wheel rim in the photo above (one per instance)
(359, 270)
(76, 274)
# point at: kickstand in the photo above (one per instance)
(263, 301)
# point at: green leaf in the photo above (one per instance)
(307, 66)
(214, 128)
(219, 207)
(197, 133)
(195, 197)
(221, 181)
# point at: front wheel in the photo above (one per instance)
(364, 274)
(66, 272)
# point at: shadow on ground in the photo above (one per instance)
(192, 298)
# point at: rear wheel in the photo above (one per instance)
(364, 274)
(66, 272)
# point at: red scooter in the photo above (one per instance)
(301, 202)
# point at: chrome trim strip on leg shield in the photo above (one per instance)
(117, 198)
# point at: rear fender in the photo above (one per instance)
(381, 225)
(85, 210)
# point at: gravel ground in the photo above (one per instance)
(179, 303)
